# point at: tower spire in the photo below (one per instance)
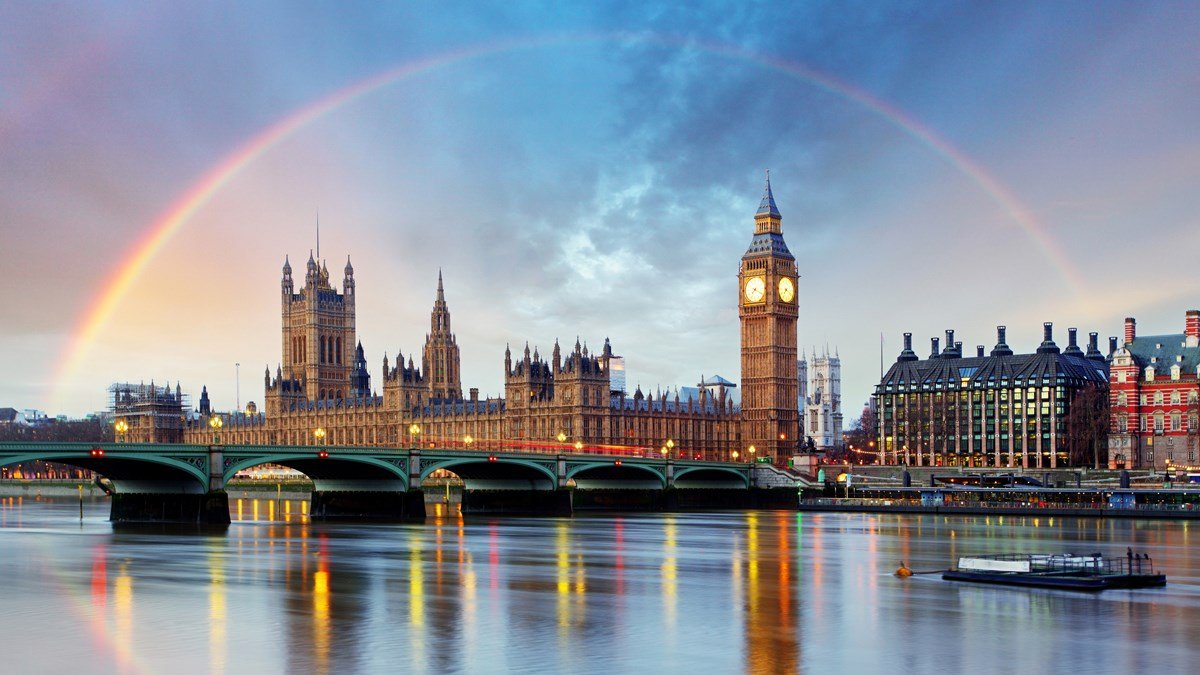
(319, 229)
(767, 206)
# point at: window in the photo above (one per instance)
(1122, 424)
(1174, 398)
(1158, 423)
(1122, 399)
(1142, 423)
(1175, 422)
(1158, 398)
(1143, 399)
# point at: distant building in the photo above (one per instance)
(1155, 398)
(153, 414)
(1002, 409)
(12, 416)
(820, 399)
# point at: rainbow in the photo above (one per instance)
(175, 216)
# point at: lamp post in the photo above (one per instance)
(752, 450)
(578, 446)
(414, 430)
(467, 441)
(562, 437)
(216, 423)
(122, 428)
(319, 434)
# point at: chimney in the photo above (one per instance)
(1001, 348)
(979, 351)
(1093, 350)
(1130, 329)
(1048, 346)
(958, 348)
(474, 393)
(1072, 343)
(934, 354)
(1112, 344)
(908, 354)
(949, 340)
(1191, 328)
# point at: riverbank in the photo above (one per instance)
(1141, 511)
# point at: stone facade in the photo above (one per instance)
(565, 403)
(820, 399)
(768, 312)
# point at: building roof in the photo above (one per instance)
(1164, 351)
(993, 371)
(769, 243)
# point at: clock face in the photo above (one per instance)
(755, 289)
(787, 291)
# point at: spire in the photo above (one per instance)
(767, 206)
(441, 294)
(287, 265)
(349, 267)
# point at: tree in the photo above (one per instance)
(1087, 426)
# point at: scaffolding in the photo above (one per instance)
(152, 414)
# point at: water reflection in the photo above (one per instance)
(756, 591)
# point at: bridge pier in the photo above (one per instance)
(367, 505)
(210, 508)
(517, 502)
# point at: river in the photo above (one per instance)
(765, 591)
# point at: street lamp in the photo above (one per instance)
(216, 423)
(562, 437)
(467, 441)
(734, 454)
(752, 450)
(122, 428)
(319, 434)
(414, 430)
(578, 446)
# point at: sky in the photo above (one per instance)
(583, 170)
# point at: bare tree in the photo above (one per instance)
(1087, 427)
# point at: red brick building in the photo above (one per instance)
(1154, 394)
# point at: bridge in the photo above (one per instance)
(186, 483)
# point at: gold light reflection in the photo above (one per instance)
(320, 602)
(123, 615)
(670, 574)
(216, 614)
(563, 578)
(416, 583)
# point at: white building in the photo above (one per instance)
(820, 399)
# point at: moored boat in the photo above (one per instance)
(1088, 572)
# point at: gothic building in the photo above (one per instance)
(820, 399)
(570, 401)
(768, 312)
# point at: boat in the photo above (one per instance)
(1088, 572)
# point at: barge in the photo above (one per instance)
(1090, 572)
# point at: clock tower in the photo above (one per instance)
(768, 312)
